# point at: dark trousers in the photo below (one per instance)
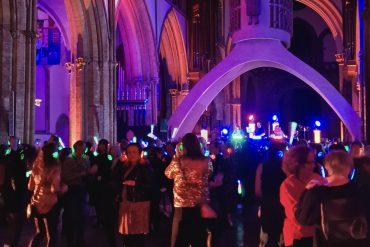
(106, 212)
(134, 240)
(74, 216)
(303, 242)
(14, 225)
(188, 228)
(272, 219)
(46, 228)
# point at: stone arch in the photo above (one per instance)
(93, 83)
(303, 44)
(59, 15)
(268, 53)
(172, 48)
(135, 27)
(332, 17)
(325, 34)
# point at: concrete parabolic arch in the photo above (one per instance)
(248, 55)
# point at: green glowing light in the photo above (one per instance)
(56, 154)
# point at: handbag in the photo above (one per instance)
(207, 212)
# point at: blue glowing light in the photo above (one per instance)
(353, 174)
(224, 131)
(280, 154)
(322, 171)
(275, 118)
(144, 144)
(317, 123)
(320, 154)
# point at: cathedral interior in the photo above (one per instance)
(98, 68)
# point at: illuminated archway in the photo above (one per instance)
(332, 17)
(172, 48)
(135, 27)
(267, 53)
(57, 11)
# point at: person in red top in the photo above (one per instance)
(298, 164)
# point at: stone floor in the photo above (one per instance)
(243, 233)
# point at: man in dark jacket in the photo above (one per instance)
(14, 191)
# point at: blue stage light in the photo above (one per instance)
(224, 131)
(275, 118)
(317, 123)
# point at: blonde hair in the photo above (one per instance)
(339, 161)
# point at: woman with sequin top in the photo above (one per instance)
(190, 170)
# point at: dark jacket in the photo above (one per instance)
(142, 177)
(15, 182)
(103, 174)
(334, 201)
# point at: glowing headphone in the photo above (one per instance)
(18, 140)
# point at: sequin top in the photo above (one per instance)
(190, 181)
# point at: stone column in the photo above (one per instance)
(30, 72)
(76, 106)
(7, 32)
(340, 60)
(366, 17)
(235, 103)
(17, 52)
(235, 113)
(174, 94)
(112, 76)
(154, 103)
(181, 96)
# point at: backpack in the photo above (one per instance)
(343, 219)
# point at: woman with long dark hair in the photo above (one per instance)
(190, 170)
(269, 176)
(45, 184)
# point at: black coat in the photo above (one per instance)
(142, 177)
(15, 182)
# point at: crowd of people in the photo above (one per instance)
(305, 195)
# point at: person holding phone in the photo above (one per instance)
(134, 181)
